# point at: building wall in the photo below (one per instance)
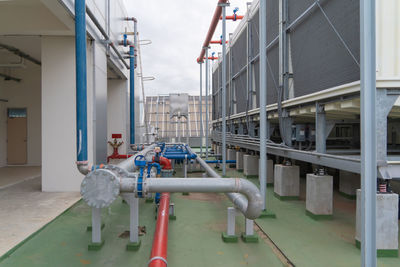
(116, 113)
(3, 134)
(59, 172)
(23, 94)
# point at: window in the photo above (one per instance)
(16, 113)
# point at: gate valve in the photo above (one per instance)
(234, 13)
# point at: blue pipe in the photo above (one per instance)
(132, 93)
(81, 81)
(220, 161)
(179, 156)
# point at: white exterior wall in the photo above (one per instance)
(98, 68)
(387, 40)
(23, 94)
(116, 113)
(3, 134)
(59, 171)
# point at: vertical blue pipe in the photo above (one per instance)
(132, 92)
(81, 80)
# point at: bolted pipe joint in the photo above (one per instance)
(100, 188)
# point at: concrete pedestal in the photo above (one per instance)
(231, 155)
(250, 166)
(387, 229)
(270, 171)
(319, 197)
(219, 150)
(239, 161)
(348, 184)
(287, 182)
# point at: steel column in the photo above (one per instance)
(207, 88)
(201, 109)
(368, 132)
(96, 225)
(224, 89)
(132, 94)
(320, 128)
(263, 100)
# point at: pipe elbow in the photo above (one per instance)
(83, 167)
(254, 205)
(247, 198)
(131, 18)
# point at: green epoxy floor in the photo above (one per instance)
(307, 242)
(195, 237)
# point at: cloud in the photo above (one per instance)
(177, 29)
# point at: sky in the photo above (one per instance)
(177, 29)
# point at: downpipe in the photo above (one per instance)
(81, 88)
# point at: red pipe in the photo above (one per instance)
(211, 30)
(217, 42)
(211, 58)
(232, 17)
(165, 163)
(158, 256)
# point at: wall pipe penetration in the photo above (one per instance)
(105, 35)
(81, 87)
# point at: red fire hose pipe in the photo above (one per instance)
(158, 256)
(211, 30)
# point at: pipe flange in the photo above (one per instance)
(100, 188)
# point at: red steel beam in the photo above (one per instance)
(158, 256)
(211, 30)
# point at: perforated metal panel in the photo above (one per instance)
(319, 59)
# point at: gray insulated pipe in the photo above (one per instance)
(250, 209)
(246, 196)
(129, 164)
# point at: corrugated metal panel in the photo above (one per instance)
(320, 60)
(239, 53)
(241, 91)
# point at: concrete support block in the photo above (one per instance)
(319, 197)
(231, 155)
(287, 182)
(219, 150)
(270, 171)
(387, 227)
(250, 166)
(229, 236)
(349, 183)
(239, 160)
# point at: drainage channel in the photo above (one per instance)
(277, 251)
